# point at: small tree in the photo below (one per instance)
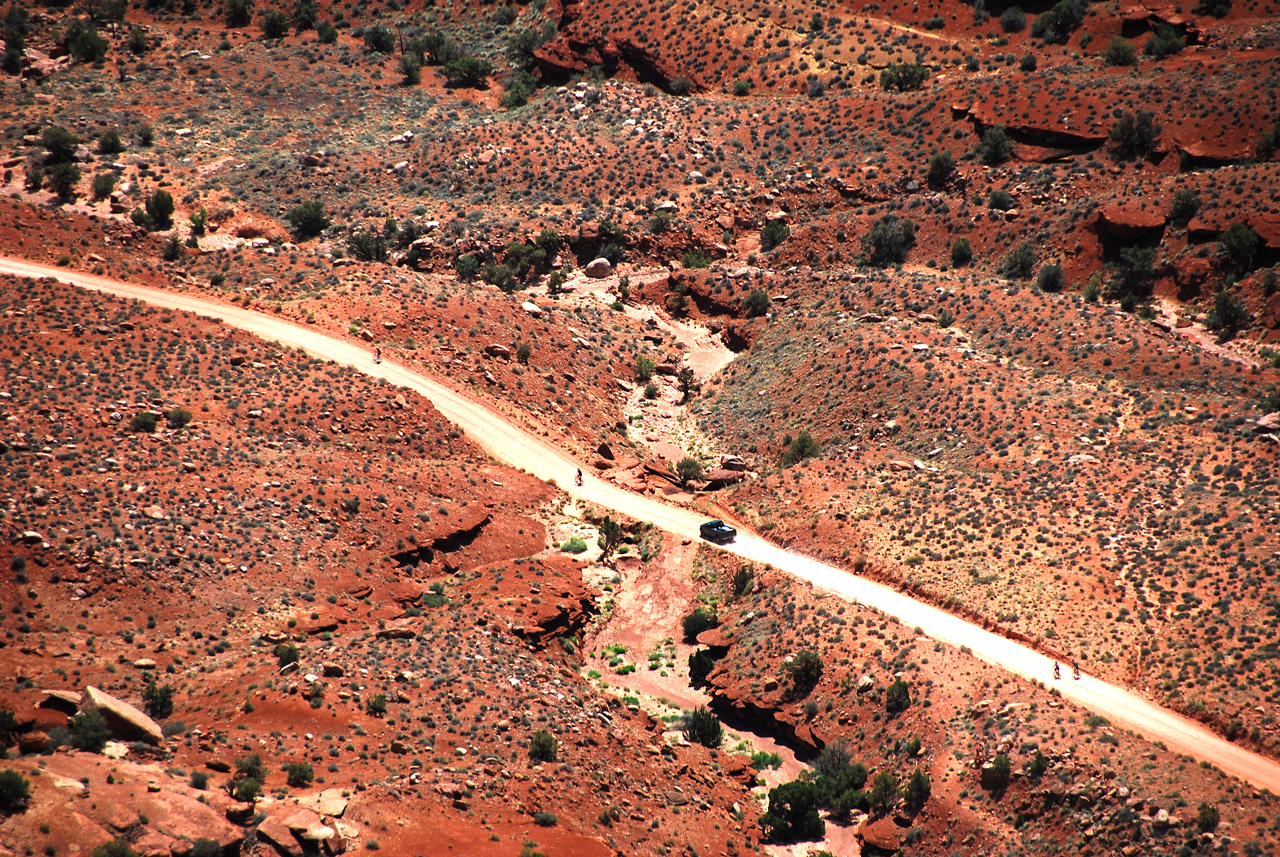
(1134, 134)
(237, 13)
(689, 469)
(942, 167)
(543, 746)
(118, 847)
(1019, 262)
(701, 663)
(805, 670)
(1050, 278)
(1207, 818)
(1119, 52)
(275, 24)
(410, 66)
(145, 421)
(160, 209)
(379, 39)
(701, 619)
(961, 252)
(88, 732)
(995, 147)
(804, 446)
(903, 77)
(376, 705)
(793, 813)
(308, 219)
(884, 793)
(63, 178)
(305, 15)
(773, 234)
(890, 239)
(299, 774)
(60, 144)
(644, 369)
(702, 727)
(468, 72)
(84, 42)
(756, 303)
(15, 792)
(897, 698)
(688, 385)
(1001, 770)
(286, 653)
(109, 143)
(1013, 20)
(1240, 245)
(1228, 315)
(917, 791)
(1186, 202)
(610, 538)
(157, 699)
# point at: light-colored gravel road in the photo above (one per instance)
(519, 448)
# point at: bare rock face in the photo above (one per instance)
(598, 268)
(122, 719)
(1130, 221)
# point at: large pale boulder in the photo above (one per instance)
(122, 719)
(598, 268)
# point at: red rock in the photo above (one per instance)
(1128, 220)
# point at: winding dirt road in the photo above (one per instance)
(521, 449)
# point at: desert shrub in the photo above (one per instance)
(157, 699)
(1013, 20)
(1119, 52)
(701, 663)
(651, 391)
(524, 259)
(299, 774)
(741, 88)
(1270, 401)
(961, 252)
(350, 505)
(274, 23)
(137, 42)
(773, 234)
(84, 42)
(884, 793)
(1028, 62)
(793, 813)
(523, 43)
(436, 47)
(942, 166)
(1037, 766)
(897, 698)
(103, 184)
(696, 259)
(804, 670)
(199, 780)
(889, 241)
(237, 13)
(305, 15)
(1001, 770)
(88, 732)
(60, 144)
(63, 178)
(1267, 143)
(206, 848)
(1207, 818)
(468, 72)
(144, 421)
(376, 705)
(326, 33)
(286, 653)
(917, 790)
(368, 246)
(689, 469)
(178, 418)
(995, 147)
(1134, 135)
(379, 39)
(702, 727)
(1165, 43)
(251, 767)
(523, 352)
(109, 143)
(903, 77)
(247, 790)
(680, 86)
(160, 209)
(34, 177)
(466, 266)
(1228, 315)
(544, 819)
(15, 792)
(1056, 25)
(946, 318)
(1050, 278)
(172, 249)
(756, 303)
(644, 369)
(199, 219)
(574, 545)
(701, 619)
(1216, 8)
(1186, 202)
(519, 90)
(118, 847)
(1134, 268)
(1019, 262)
(804, 446)
(543, 746)
(1000, 200)
(1240, 245)
(743, 581)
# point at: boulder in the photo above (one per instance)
(332, 670)
(605, 452)
(598, 268)
(329, 802)
(865, 684)
(1129, 221)
(275, 832)
(33, 742)
(124, 721)
(883, 834)
(496, 350)
(733, 462)
(66, 701)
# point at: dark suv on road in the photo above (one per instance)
(718, 532)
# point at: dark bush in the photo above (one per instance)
(1240, 245)
(286, 653)
(308, 219)
(805, 670)
(103, 185)
(804, 446)
(118, 847)
(1186, 202)
(995, 147)
(897, 698)
(1019, 263)
(701, 619)
(274, 23)
(468, 72)
(237, 13)
(1050, 278)
(702, 727)
(144, 421)
(1215, 8)
(1013, 20)
(60, 143)
(903, 77)
(110, 144)
(942, 166)
(1134, 135)
(917, 790)
(1119, 52)
(545, 819)
(1207, 818)
(299, 774)
(889, 241)
(1228, 315)
(961, 252)
(756, 303)
(1165, 43)
(543, 746)
(793, 813)
(379, 39)
(88, 732)
(701, 663)
(15, 792)
(773, 234)
(84, 42)
(368, 246)
(63, 179)
(160, 209)
(157, 699)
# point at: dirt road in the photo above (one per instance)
(519, 448)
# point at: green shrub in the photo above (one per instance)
(995, 147)
(644, 369)
(160, 209)
(884, 793)
(368, 246)
(274, 23)
(917, 790)
(1228, 315)
(1000, 200)
(84, 42)
(1268, 142)
(889, 241)
(118, 847)
(199, 780)
(286, 653)
(1216, 8)
(702, 727)
(1050, 278)
(237, 13)
(178, 418)
(1165, 43)
(1119, 52)
(144, 421)
(63, 179)
(1001, 770)
(1186, 202)
(574, 545)
(961, 252)
(305, 15)
(544, 819)
(206, 848)
(103, 184)
(701, 619)
(543, 746)
(1240, 245)
(756, 303)
(701, 663)
(376, 705)
(299, 774)
(60, 143)
(1207, 818)
(903, 77)
(468, 72)
(109, 143)
(689, 469)
(793, 813)
(379, 39)
(247, 791)
(1028, 62)
(804, 446)
(88, 732)
(942, 166)
(157, 699)
(696, 259)
(1019, 263)
(773, 234)
(741, 88)
(34, 178)
(805, 670)
(1134, 135)
(326, 33)
(897, 698)
(1056, 25)
(1013, 20)
(15, 792)
(467, 266)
